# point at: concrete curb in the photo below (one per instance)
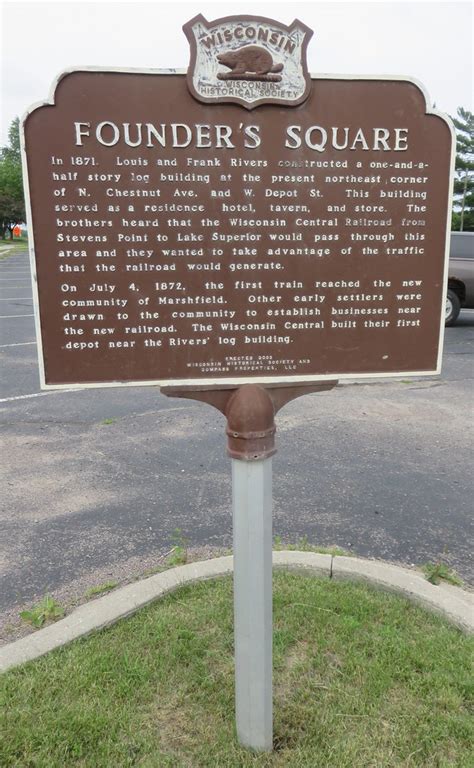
(452, 602)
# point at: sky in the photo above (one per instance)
(431, 41)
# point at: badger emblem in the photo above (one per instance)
(249, 63)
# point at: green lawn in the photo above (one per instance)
(362, 680)
(10, 248)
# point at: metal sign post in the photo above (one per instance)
(252, 520)
(251, 430)
(250, 411)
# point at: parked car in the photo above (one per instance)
(460, 275)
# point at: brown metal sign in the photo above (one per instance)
(181, 242)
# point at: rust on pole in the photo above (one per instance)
(250, 424)
(250, 412)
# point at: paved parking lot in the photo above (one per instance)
(97, 480)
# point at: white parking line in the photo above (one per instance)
(3, 317)
(18, 344)
(36, 394)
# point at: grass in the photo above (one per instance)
(304, 545)
(101, 589)
(438, 572)
(45, 611)
(14, 247)
(179, 553)
(108, 421)
(361, 679)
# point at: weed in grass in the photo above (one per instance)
(179, 553)
(437, 572)
(178, 556)
(108, 421)
(47, 610)
(101, 588)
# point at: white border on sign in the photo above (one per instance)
(224, 382)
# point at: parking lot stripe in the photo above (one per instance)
(36, 394)
(18, 344)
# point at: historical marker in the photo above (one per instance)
(296, 233)
(245, 233)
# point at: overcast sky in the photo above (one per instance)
(431, 41)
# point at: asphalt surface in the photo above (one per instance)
(97, 481)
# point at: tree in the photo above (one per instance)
(12, 205)
(12, 152)
(463, 213)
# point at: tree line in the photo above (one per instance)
(463, 199)
(12, 203)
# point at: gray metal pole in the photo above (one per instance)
(250, 411)
(252, 519)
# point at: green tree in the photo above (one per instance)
(12, 151)
(463, 213)
(12, 202)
